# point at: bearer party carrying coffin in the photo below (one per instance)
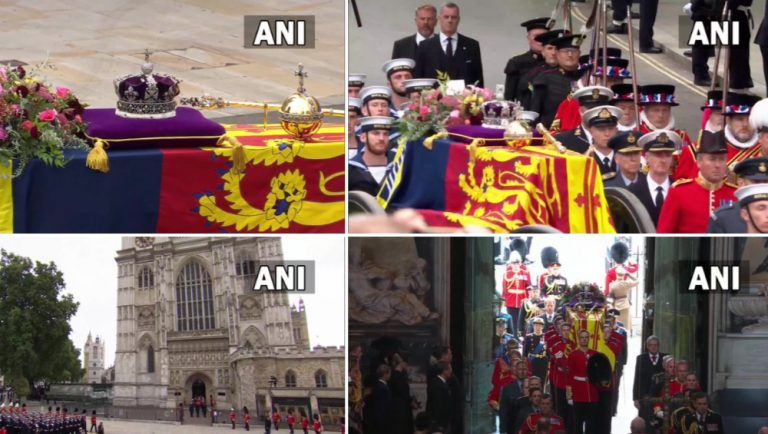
(156, 167)
(492, 169)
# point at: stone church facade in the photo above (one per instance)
(187, 327)
(93, 360)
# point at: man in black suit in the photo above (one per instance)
(508, 398)
(659, 147)
(439, 397)
(426, 19)
(450, 52)
(647, 365)
(378, 409)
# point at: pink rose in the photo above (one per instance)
(3, 75)
(455, 113)
(15, 110)
(487, 95)
(423, 110)
(411, 106)
(78, 119)
(3, 133)
(27, 125)
(450, 101)
(47, 115)
(62, 92)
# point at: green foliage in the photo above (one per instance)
(20, 385)
(34, 322)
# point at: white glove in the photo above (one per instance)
(687, 10)
(660, 414)
(570, 402)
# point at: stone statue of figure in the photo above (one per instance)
(383, 288)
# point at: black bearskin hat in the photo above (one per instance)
(599, 369)
(619, 252)
(549, 256)
(519, 245)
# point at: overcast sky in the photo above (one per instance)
(90, 273)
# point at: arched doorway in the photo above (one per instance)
(198, 389)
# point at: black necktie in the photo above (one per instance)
(449, 50)
(659, 197)
(606, 161)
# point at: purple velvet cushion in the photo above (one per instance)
(475, 132)
(188, 129)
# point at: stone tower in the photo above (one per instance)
(93, 360)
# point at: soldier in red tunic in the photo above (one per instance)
(580, 390)
(690, 202)
(516, 281)
(291, 420)
(740, 136)
(545, 412)
(560, 346)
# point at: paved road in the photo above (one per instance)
(133, 427)
(91, 42)
(496, 25)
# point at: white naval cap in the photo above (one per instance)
(357, 80)
(354, 104)
(395, 65)
(751, 193)
(375, 92)
(419, 84)
(660, 140)
(601, 115)
(370, 123)
(758, 117)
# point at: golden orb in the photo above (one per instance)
(300, 115)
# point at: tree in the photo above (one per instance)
(34, 322)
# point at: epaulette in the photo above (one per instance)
(682, 181)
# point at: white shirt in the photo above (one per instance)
(419, 38)
(652, 185)
(444, 42)
(602, 157)
(626, 180)
(378, 172)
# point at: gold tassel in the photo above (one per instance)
(238, 152)
(97, 158)
(429, 140)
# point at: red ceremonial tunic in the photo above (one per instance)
(555, 423)
(515, 284)
(687, 168)
(305, 423)
(558, 363)
(582, 390)
(317, 426)
(689, 204)
(610, 276)
(291, 421)
(276, 417)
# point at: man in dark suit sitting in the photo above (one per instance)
(658, 147)
(450, 52)
(439, 397)
(426, 19)
(648, 364)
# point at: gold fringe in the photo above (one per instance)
(97, 158)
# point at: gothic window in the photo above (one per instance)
(321, 379)
(245, 265)
(150, 359)
(146, 279)
(290, 379)
(194, 298)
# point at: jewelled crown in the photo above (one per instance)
(147, 95)
(499, 113)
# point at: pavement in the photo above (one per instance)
(495, 24)
(91, 42)
(133, 427)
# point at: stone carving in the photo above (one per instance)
(385, 287)
(250, 308)
(146, 318)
